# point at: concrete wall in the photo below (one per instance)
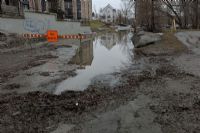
(40, 23)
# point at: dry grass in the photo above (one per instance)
(98, 26)
(95, 25)
(170, 41)
(167, 46)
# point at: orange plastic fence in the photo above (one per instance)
(52, 36)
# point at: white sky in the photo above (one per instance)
(102, 3)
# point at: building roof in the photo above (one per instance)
(108, 6)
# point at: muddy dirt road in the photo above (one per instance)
(156, 93)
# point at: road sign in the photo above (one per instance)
(52, 36)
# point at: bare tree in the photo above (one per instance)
(197, 14)
(180, 10)
(0, 6)
(127, 9)
(119, 17)
(144, 14)
(150, 13)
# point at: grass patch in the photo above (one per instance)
(95, 24)
(170, 41)
(98, 26)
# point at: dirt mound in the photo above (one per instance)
(8, 40)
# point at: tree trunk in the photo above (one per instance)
(197, 14)
(152, 17)
(0, 6)
(185, 17)
(135, 25)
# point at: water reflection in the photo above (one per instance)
(84, 55)
(108, 40)
(106, 54)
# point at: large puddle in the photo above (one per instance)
(105, 54)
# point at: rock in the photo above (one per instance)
(45, 74)
(9, 40)
(11, 86)
(2, 44)
(145, 38)
(63, 128)
(16, 113)
(140, 33)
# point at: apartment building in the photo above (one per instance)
(17, 7)
(77, 9)
(72, 9)
(86, 9)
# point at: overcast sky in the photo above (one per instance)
(102, 3)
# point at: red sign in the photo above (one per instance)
(52, 36)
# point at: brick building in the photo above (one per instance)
(77, 9)
(86, 9)
(72, 9)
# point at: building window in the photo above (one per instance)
(78, 9)
(68, 9)
(25, 4)
(43, 5)
(103, 17)
(7, 2)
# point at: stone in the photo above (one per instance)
(140, 33)
(63, 128)
(145, 38)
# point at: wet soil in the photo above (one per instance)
(25, 69)
(155, 95)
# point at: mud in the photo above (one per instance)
(37, 67)
(155, 95)
(172, 100)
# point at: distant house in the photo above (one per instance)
(108, 14)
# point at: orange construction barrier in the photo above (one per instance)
(52, 36)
